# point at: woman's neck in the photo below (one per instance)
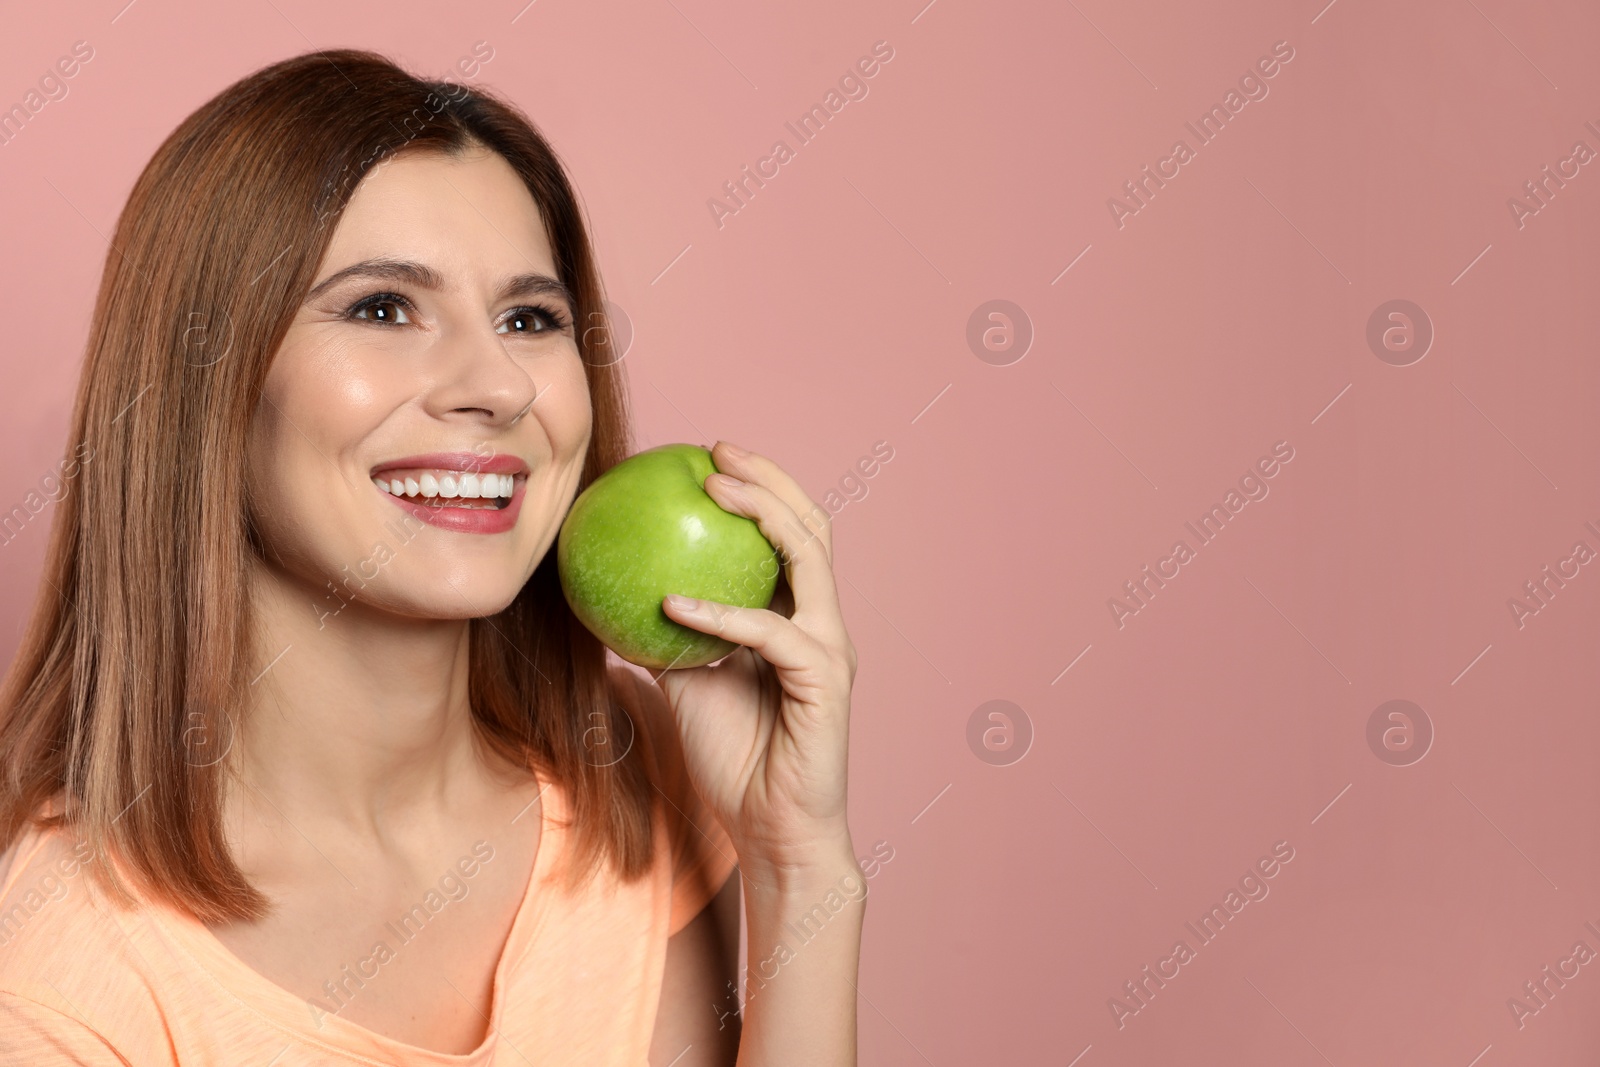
(358, 718)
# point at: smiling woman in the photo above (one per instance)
(264, 782)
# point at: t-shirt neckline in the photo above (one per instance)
(336, 1034)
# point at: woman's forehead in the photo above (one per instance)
(458, 214)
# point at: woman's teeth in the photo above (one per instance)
(458, 488)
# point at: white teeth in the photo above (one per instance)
(464, 486)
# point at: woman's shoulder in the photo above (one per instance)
(49, 906)
(38, 876)
(71, 972)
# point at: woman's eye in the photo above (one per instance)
(385, 309)
(532, 320)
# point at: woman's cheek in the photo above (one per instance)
(578, 412)
(349, 384)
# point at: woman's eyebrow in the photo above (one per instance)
(532, 283)
(535, 284)
(382, 269)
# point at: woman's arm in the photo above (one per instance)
(765, 736)
(805, 941)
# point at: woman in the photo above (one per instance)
(305, 758)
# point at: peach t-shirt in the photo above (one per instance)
(84, 982)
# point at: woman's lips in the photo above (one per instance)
(498, 463)
(496, 514)
(462, 491)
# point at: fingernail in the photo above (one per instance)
(682, 603)
(734, 449)
(728, 480)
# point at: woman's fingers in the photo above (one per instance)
(779, 641)
(804, 555)
(810, 519)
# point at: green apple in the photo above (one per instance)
(646, 528)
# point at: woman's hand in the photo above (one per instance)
(765, 731)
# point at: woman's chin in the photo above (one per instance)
(462, 596)
(427, 593)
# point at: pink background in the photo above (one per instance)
(829, 313)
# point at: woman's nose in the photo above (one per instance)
(477, 374)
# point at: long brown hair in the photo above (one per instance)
(130, 675)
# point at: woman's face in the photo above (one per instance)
(423, 427)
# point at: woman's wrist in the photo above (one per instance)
(814, 866)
